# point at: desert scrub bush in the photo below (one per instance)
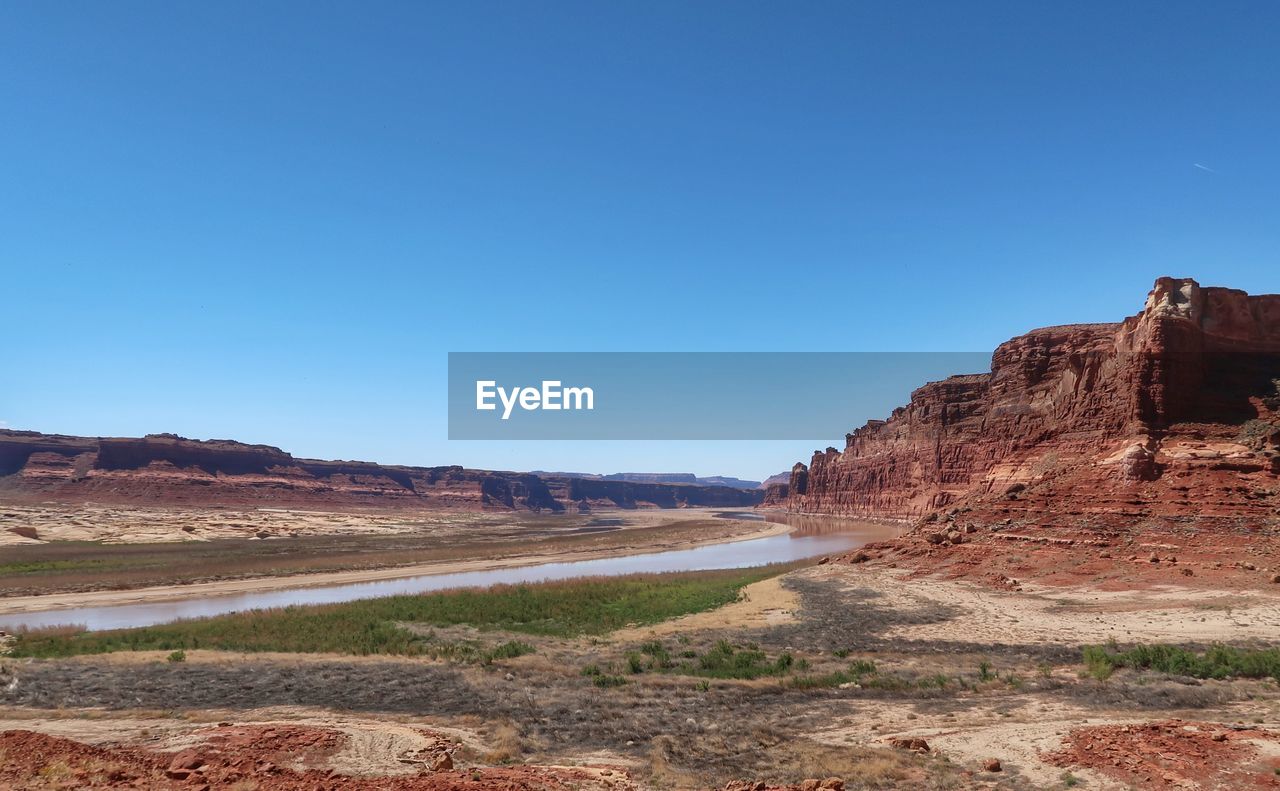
(984, 671)
(565, 608)
(604, 681)
(508, 650)
(857, 673)
(726, 661)
(723, 660)
(658, 654)
(1219, 661)
(178, 656)
(865, 675)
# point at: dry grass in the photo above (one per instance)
(56, 630)
(55, 771)
(505, 745)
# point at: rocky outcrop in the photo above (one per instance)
(170, 470)
(777, 488)
(1171, 413)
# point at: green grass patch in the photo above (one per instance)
(52, 566)
(1219, 661)
(567, 608)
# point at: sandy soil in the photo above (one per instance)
(747, 530)
(134, 525)
(1028, 732)
(764, 603)
(1047, 615)
(1019, 734)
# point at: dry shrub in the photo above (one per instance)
(506, 745)
(877, 769)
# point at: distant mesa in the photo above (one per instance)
(660, 477)
(166, 469)
(1170, 414)
(776, 488)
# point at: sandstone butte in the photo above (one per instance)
(164, 469)
(1170, 417)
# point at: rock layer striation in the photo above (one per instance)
(1173, 413)
(166, 469)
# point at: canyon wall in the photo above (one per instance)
(164, 469)
(1172, 413)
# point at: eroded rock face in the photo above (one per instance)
(166, 469)
(1171, 412)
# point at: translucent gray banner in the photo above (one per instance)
(685, 395)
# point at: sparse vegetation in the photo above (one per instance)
(1219, 661)
(604, 681)
(470, 651)
(856, 673)
(723, 660)
(376, 626)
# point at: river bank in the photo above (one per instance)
(745, 543)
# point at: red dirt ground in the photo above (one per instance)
(252, 755)
(1172, 754)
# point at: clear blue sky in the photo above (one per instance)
(271, 221)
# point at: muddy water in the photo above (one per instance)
(810, 537)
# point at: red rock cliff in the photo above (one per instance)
(1172, 413)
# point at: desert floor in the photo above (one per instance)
(963, 674)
